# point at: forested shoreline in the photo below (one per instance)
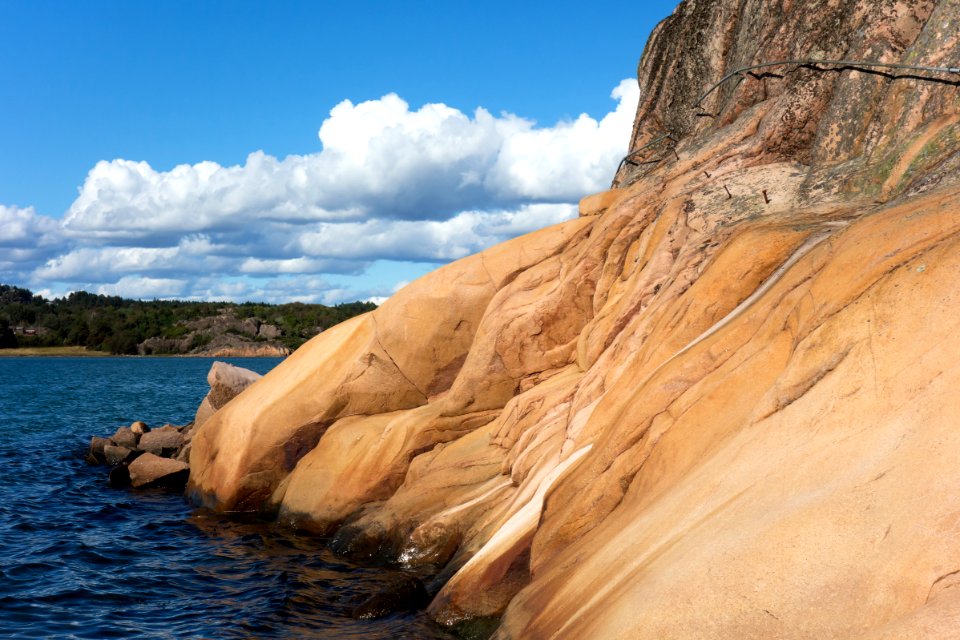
(122, 326)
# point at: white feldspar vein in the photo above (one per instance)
(469, 503)
(409, 553)
(524, 520)
(801, 251)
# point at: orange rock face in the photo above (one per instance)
(720, 404)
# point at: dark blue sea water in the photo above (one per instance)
(81, 560)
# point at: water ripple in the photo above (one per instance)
(81, 560)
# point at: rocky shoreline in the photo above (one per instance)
(142, 457)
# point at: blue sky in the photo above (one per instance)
(207, 149)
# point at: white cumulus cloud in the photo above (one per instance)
(430, 241)
(26, 240)
(141, 287)
(379, 159)
(430, 184)
(23, 228)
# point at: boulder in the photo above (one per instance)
(250, 326)
(125, 437)
(269, 331)
(226, 382)
(164, 441)
(184, 453)
(151, 471)
(139, 427)
(187, 431)
(96, 455)
(114, 455)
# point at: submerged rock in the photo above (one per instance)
(402, 593)
(120, 477)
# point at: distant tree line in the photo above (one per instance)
(118, 325)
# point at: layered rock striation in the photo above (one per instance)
(721, 403)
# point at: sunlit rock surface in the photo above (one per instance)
(226, 382)
(721, 403)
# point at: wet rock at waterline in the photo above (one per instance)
(114, 454)
(96, 453)
(402, 593)
(119, 477)
(150, 471)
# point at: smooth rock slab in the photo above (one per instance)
(164, 441)
(597, 203)
(151, 471)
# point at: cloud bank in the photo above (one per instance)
(390, 183)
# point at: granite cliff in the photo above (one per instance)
(721, 403)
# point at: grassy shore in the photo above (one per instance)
(51, 351)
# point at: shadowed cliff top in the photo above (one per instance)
(847, 124)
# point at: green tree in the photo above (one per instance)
(7, 339)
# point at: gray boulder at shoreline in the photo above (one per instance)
(165, 441)
(151, 471)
